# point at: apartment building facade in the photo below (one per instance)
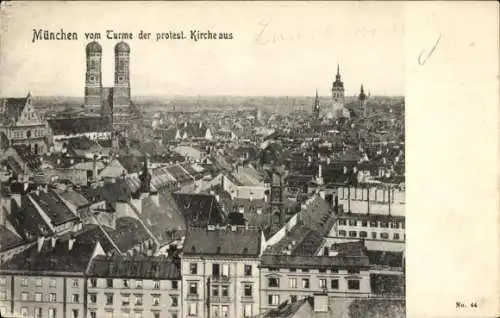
(220, 272)
(120, 287)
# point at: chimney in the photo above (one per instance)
(321, 302)
(39, 243)
(53, 241)
(71, 242)
(217, 198)
(336, 203)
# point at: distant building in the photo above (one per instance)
(220, 270)
(22, 125)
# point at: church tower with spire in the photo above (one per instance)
(362, 101)
(338, 99)
(316, 106)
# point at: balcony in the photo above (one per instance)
(220, 278)
(220, 299)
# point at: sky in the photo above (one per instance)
(277, 48)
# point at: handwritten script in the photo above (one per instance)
(422, 58)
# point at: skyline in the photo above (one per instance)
(270, 54)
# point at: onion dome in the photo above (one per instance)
(93, 47)
(122, 47)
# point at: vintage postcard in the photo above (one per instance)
(248, 159)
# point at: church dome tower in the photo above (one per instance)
(362, 100)
(121, 91)
(93, 77)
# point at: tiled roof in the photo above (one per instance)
(57, 258)
(8, 239)
(68, 126)
(199, 209)
(131, 163)
(165, 221)
(53, 206)
(27, 220)
(128, 233)
(13, 108)
(225, 241)
(74, 197)
(134, 267)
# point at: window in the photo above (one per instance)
(193, 268)
(352, 233)
(93, 282)
(364, 223)
(37, 313)
(109, 314)
(52, 313)
(3, 281)
(75, 283)
(394, 225)
(374, 235)
(248, 290)
(93, 298)
(126, 283)
(52, 283)
(125, 299)
(24, 296)
(396, 236)
(24, 312)
(293, 282)
(38, 282)
(216, 270)
(215, 311)
(384, 224)
(156, 300)
(322, 270)
(225, 291)
(138, 314)
(3, 295)
(76, 298)
(293, 270)
(363, 234)
(273, 299)
(192, 309)
(93, 314)
(373, 224)
(193, 288)
(322, 283)
(109, 299)
(109, 283)
(293, 298)
(175, 301)
(138, 284)
(342, 222)
(75, 313)
(175, 284)
(353, 222)
(225, 270)
(174, 315)
(353, 271)
(248, 270)
(305, 283)
(156, 284)
(384, 236)
(215, 290)
(24, 282)
(138, 300)
(156, 314)
(353, 284)
(305, 270)
(225, 311)
(247, 310)
(342, 233)
(273, 282)
(402, 225)
(334, 284)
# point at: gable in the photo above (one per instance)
(28, 113)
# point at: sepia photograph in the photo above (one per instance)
(174, 159)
